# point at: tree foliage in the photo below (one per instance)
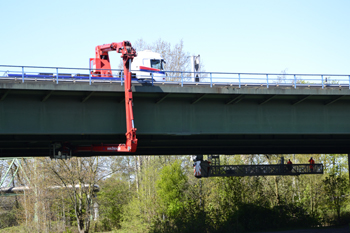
(160, 194)
(177, 59)
(336, 190)
(111, 199)
(170, 188)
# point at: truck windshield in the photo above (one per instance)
(157, 64)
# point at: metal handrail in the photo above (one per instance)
(211, 79)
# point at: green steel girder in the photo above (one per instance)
(64, 113)
(293, 121)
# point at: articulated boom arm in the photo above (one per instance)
(101, 63)
(128, 54)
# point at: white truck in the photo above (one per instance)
(148, 65)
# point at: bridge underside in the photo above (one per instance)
(174, 121)
(40, 145)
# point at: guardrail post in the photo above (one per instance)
(182, 79)
(56, 75)
(22, 74)
(152, 78)
(322, 81)
(211, 80)
(239, 80)
(267, 81)
(295, 82)
(90, 73)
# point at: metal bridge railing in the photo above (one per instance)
(182, 78)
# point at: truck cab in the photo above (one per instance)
(148, 65)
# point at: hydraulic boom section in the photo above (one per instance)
(101, 64)
(102, 68)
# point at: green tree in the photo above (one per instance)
(336, 188)
(114, 195)
(170, 188)
(142, 210)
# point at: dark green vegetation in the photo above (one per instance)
(165, 197)
(160, 194)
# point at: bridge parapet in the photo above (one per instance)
(63, 75)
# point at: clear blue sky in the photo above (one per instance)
(301, 36)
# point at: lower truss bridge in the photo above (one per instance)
(212, 168)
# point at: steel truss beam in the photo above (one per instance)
(198, 99)
(301, 100)
(162, 98)
(16, 163)
(267, 100)
(235, 100)
(87, 97)
(334, 100)
(47, 96)
(4, 95)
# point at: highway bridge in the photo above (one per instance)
(222, 113)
